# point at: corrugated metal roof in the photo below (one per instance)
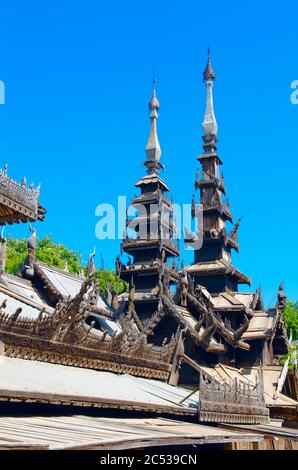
(110, 326)
(65, 383)
(235, 299)
(12, 305)
(245, 298)
(14, 300)
(22, 286)
(271, 376)
(67, 284)
(282, 431)
(90, 432)
(259, 325)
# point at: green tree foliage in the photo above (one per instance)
(107, 277)
(56, 254)
(16, 253)
(293, 354)
(290, 316)
(59, 256)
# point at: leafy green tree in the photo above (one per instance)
(107, 277)
(16, 253)
(290, 316)
(58, 255)
(293, 354)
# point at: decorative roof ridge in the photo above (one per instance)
(22, 187)
(20, 197)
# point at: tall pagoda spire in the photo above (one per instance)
(153, 150)
(214, 256)
(209, 123)
(149, 238)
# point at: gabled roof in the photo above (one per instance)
(63, 283)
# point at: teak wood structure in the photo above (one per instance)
(187, 331)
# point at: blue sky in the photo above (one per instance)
(78, 78)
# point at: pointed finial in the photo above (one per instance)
(153, 150)
(209, 123)
(32, 230)
(209, 73)
(154, 103)
(91, 265)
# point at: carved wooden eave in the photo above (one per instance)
(257, 303)
(130, 245)
(218, 267)
(209, 154)
(146, 269)
(62, 336)
(232, 238)
(211, 180)
(202, 337)
(18, 202)
(151, 179)
(233, 338)
(231, 243)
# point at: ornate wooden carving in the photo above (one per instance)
(233, 402)
(65, 337)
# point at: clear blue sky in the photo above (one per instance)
(78, 79)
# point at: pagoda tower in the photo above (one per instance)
(212, 266)
(149, 234)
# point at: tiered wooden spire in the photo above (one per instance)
(217, 244)
(149, 236)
